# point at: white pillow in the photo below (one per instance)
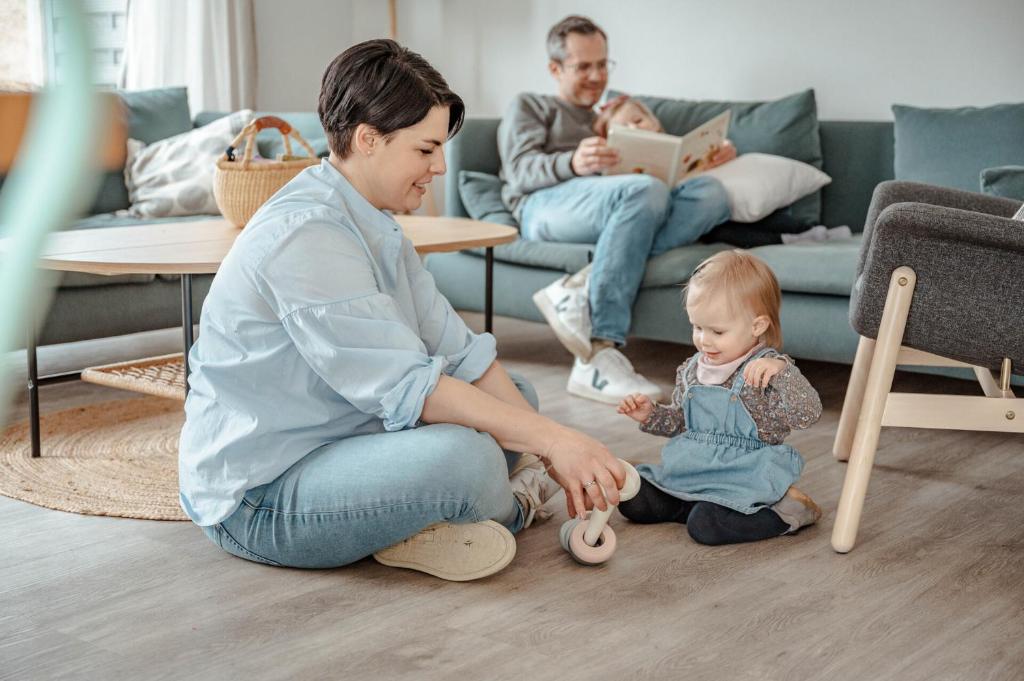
(759, 184)
(174, 177)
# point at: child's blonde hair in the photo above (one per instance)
(610, 108)
(748, 284)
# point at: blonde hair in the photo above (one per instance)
(604, 116)
(748, 284)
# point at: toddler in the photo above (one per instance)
(632, 113)
(726, 473)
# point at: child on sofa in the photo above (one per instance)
(726, 473)
(632, 113)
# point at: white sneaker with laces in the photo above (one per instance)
(608, 377)
(565, 305)
(456, 552)
(532, 487)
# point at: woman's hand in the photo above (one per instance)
(723, 154)
(592, 156)
(574, 461)
(637, 407)
(759, 372)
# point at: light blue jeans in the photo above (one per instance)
(631, 218)
(351, 498)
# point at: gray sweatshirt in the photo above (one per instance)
(536, 140)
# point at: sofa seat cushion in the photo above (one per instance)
(825, 268)
(828, 267)
(563, 257)
(84, 280)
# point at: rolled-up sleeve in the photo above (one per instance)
(469, 355)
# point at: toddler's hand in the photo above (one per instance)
(722, 154)
(760, 371)
(637, 407)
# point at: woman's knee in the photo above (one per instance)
(644, 190)
(526, 388)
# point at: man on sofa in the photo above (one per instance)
(551, 164)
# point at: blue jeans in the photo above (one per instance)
(631, 218)
(351, 498)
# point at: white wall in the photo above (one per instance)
(860, 57)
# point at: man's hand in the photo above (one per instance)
(593, 155)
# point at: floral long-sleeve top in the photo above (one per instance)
(789, 401)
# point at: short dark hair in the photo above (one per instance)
(382, 84)
(573, 23)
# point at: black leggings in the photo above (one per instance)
(706, 522)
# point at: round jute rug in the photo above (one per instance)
(116, 458)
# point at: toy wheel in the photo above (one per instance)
(591, 555)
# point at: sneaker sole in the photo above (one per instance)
(449, 553)
(565, 337)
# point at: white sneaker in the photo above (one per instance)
(609, 377)
(565, 305)
(532, 487)
(457, 553)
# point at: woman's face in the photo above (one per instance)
(401, 168)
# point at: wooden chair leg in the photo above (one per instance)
(854, 399)
(869, 424)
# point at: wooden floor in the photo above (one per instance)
(934, 590)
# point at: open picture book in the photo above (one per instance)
(670, 158)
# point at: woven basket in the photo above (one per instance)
(241, 187)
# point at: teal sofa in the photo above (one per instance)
(816, 279)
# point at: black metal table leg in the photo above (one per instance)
(186, 318)
(489, 291)
(33, 388)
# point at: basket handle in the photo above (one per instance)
(249, 132)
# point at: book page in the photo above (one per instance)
(700, 144)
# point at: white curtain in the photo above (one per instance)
(207, 45)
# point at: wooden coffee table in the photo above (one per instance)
(199, 247)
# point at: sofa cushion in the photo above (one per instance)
(951, 147)
(151, 115)
(173, 177)
(826, 268)
(784, 127)
(1005, 181)
(481, 195)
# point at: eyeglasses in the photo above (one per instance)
(603, 66)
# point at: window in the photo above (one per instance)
(106, 19)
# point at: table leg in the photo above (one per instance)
(186, 319)
(489, 291)
(33, 388)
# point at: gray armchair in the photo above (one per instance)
(940, 282)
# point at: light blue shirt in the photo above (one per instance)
(321, 324)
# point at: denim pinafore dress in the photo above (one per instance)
(720, 457)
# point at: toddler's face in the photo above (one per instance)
(632, 115)
(718, 332)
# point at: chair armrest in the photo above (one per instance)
(968, 295)
(897, 191)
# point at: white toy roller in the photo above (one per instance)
(591, 541)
